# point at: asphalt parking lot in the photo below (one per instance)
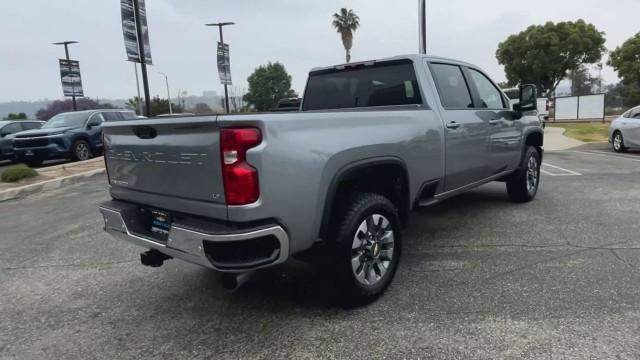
(480, 278)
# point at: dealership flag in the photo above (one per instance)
(224, 65)
(130, 31)
(71, 80)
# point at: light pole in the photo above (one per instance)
(226, 92)
(66, 52)
(166, 79)
(422, 17)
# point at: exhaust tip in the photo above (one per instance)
(232, 282)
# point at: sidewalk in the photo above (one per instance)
(52, 177)
(554, 140)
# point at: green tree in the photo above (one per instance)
(582, 83)
(625, 60)
(543, 54)
(346, 22)
(158, 106)
(268, 84)
(16, 116)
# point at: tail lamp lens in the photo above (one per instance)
(241, 184)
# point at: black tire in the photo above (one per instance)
(351, 291)
(81, 150)
(618, 142)
(523, 185)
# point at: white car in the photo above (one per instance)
(624, 132)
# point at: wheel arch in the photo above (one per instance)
(533, 138)
(396, 171)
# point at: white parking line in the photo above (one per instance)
(567, 171)
(606, 154)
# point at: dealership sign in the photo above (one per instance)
(224, 64)
(130, 30)
(71, 80)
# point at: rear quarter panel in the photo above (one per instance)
(303, 151)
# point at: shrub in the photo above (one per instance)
(17, 172)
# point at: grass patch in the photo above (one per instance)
(587, 132)
(17, 172)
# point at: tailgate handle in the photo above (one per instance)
(145, 132)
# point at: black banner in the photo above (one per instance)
(224, 64)
(71, 80)
(130, 31)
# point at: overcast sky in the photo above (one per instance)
(296, 33)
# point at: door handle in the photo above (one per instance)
(495, 122)
(453, 125)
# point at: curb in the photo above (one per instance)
(26, 190)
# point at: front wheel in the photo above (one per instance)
(618, 142)
(367, 249)
(522, 186)
(81, 150)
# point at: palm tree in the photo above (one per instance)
(346, 23)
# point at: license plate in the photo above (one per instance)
(160, 223)
(29, 153)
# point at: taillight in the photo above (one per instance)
(240, 179)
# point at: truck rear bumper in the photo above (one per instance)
(219, 247)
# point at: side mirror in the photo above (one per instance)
(528, 99)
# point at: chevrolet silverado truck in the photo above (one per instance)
(373, 140)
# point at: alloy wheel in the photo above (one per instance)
(532, 174)
(372, 249)
(82, 151)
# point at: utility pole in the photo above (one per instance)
(143, 59)
(422, 18)
(66, 52)
(166, 79)
(140, 105)
(226, 91)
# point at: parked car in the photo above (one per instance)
(288, 104)
(335, 182)
(75, 135)
(624, 132)
(8, 129)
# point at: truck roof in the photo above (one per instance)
(412, 57)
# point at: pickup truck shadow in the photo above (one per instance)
(303, 285)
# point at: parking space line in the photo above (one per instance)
(607, 154)
(569, 172)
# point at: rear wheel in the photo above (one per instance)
(81, 150)
(367, 249)
(522, 186)
(618, 142)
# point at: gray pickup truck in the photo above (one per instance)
(372, 141)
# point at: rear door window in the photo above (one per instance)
(129, 115)
(31, 125)
(452, 86)
(112, 116)
(11, 129)
(383, 84)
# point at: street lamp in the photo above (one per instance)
(166, 79)
(66, 52)
(226, 92)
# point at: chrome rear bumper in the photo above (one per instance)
(189, 244)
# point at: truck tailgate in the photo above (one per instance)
(177, 157)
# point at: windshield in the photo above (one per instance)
(66, 120)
